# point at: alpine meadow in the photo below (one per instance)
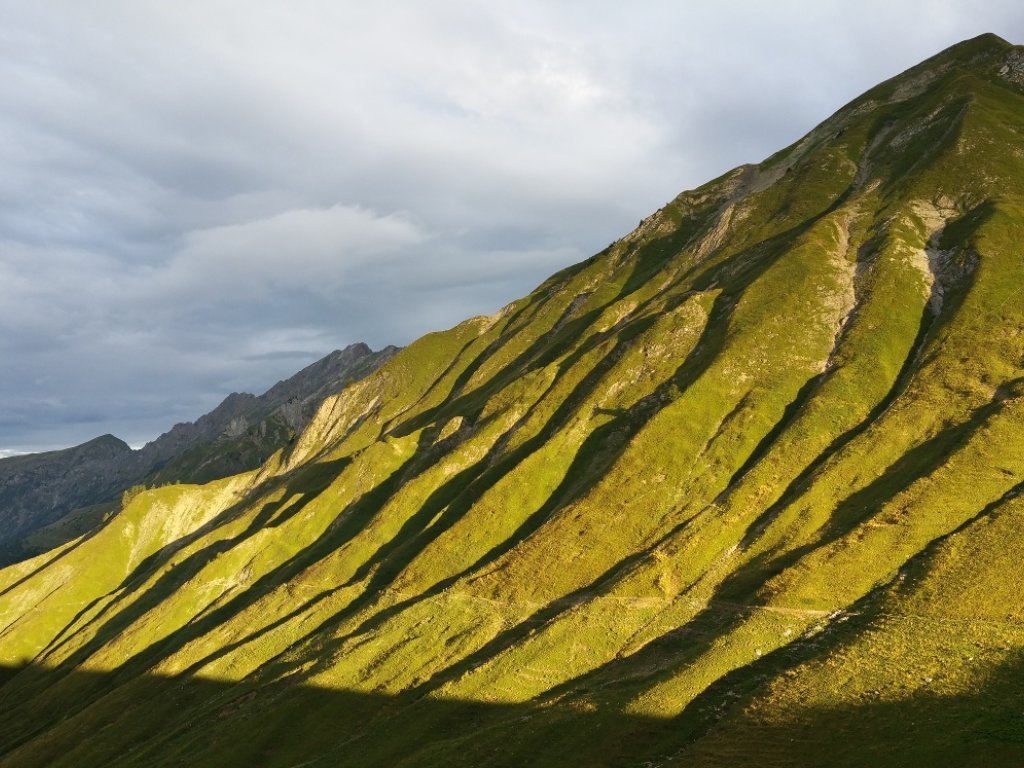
(744, 488)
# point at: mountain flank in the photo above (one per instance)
(742, 489)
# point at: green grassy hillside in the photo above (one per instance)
(742, 489)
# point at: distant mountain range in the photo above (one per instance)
(743, 489)
(49, 498)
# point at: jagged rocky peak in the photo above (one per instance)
(325, 371)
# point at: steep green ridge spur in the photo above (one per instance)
(744, 488)
(47, 499)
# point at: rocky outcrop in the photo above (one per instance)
(244, 430)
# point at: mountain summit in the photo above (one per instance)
(743, 488)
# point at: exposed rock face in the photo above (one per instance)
(1013, 69)
(244, 430)
(39, 490)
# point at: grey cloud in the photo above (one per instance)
(284, 354)
(194, 195)
(311, 248)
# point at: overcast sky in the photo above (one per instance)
(201, 197)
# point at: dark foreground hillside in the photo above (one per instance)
(742, 489)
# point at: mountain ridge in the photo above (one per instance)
(47, 498)
(743, 488)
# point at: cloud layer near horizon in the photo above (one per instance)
(204, 197)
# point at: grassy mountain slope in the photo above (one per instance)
(742, 488)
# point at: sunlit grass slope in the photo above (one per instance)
(741, 489)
